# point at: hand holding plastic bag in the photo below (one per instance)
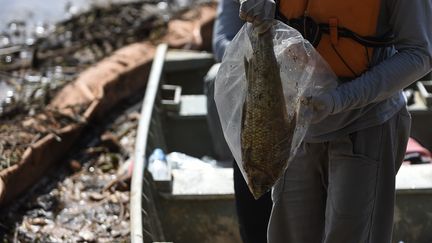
(260, 74)
(317, 107)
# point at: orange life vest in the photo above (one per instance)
(346, 56)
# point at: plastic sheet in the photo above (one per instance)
(303, 73)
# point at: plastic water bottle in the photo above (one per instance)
(158, 166)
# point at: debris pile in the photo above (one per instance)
(32, 73)
(87, 199)
(23, 131)
(57, 95)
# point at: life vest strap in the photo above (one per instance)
(333, 30)
(368, 41)
(313, 31)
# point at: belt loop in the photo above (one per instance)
(333, 24)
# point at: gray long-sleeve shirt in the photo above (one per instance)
(226, 26)
(376, 95)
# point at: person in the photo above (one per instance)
(340, 186)
(253, 215)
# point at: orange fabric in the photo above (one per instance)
(292, 8)
(333, 23)
(358, 16)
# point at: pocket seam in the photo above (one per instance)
(371, 206)
(365, 156)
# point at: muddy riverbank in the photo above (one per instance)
(85, 197)
(71, 130)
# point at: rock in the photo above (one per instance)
(75, 165)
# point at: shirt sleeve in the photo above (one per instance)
(410, 22)
(226, 26)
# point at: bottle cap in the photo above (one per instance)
(158, 154)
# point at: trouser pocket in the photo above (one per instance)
(362, 168)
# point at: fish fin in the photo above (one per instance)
(242, 129)
(245, 150)
(243, 118)
(246, 67)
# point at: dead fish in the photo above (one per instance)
(266, 130)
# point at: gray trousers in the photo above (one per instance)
(341, 191)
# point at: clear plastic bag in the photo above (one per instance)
(303, 73)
